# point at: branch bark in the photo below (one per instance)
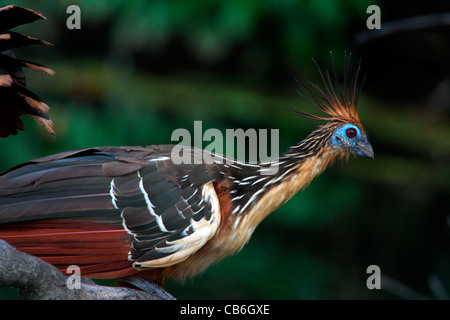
(38, 280)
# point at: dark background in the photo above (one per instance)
(137, 70)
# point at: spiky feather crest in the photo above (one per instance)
(340, 104)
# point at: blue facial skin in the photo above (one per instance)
(357, 144)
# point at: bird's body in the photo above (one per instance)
(119, 211)
(61, 190)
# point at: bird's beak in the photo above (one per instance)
(363, 148)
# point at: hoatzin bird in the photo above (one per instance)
(15, 98)
(127, 211)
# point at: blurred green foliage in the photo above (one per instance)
(137, 70)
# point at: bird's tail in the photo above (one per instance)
(61, 211)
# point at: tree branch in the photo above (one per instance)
(403, 25)
(38, 280)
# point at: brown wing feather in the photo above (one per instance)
(133, 202)
(15, 99)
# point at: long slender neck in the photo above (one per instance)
(254, 195)
(273, 183)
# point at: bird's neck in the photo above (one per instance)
(294, 174)
(258, 191)
(254, 199)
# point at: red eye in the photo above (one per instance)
(351, 133)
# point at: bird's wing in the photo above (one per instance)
(69, 206)
(15, 98)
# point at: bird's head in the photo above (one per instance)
(343, 131)
(350, 138)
